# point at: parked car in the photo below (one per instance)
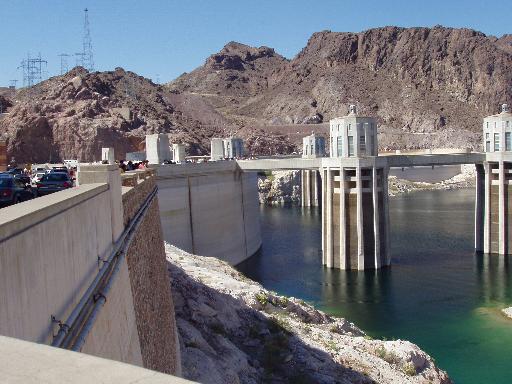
(13, 190)
(53, 182)
(19, 175)
(37, 177)
(60, 169)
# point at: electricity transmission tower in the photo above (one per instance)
(63, 63)
(33, 68)
(85, 58)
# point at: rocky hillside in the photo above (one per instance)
(232, 330)
(427, 86)
(75, 115)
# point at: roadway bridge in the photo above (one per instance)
(211, 208)
(391, 161)
(354, 198)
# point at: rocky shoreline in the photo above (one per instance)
(465, 179)
(507, 312)
(232, 330)
(283, 187)
(280, 187)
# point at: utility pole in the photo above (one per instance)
(32, 70)
(85, 58)
(63, 63)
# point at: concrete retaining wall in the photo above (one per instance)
(150, 287)
(49, 249)
(210, 209)
(52, 248)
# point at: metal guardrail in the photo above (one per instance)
(73, 333)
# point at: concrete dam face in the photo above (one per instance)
(210, 209)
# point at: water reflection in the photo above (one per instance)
(438, 293)
(493, 274)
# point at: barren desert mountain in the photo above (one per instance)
(427, 86)
(237, 70)
(75, 115)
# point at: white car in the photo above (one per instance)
(37, 177)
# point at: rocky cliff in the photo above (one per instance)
(232, 330)
(280, 187)
(427, 86)
(73, 116)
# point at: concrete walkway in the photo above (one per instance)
(24, 362)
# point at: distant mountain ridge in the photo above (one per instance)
(427, 87)
(427, 81)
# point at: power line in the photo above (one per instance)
(64, 63)
(85, 58)
(33, 70)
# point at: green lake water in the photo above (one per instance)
(438, 293)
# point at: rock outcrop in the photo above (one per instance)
(232, 330)
(426, 86)
(281, 187)
(507, 312)
(465, 179)
(73, 116)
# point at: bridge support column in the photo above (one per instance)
(386, 242)
(327, 218)
(355, 224)
(479, 207)
(343, 221)
(494, 208)
(310, 188)
(487, 208)
(502, 238)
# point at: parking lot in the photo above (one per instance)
(22, 184)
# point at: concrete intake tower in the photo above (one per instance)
(355, 215)
(493, 211)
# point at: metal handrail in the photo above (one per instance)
(74, 331)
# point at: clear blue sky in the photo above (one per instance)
(171, 37)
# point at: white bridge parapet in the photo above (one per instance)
(399, 161)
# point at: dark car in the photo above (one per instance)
(60, 169)
(53, 182)
(13, 191)
(18, 174)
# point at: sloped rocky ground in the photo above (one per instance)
(232, 330)
(73, 116)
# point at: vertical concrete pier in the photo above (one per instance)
(313, 146)
(355, 217)
(493, 210)
(311, 186)
(107, 155)
(355, 220)
(157, 148)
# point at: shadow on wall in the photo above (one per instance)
(222, 340)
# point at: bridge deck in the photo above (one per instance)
(399, 161)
